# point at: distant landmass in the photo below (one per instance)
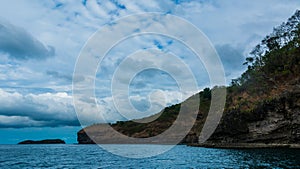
(262, 106)
(47, 141)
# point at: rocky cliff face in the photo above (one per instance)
(83, 138)
(273, 121)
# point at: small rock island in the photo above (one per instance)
(47, 141)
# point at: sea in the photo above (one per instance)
(180, 156)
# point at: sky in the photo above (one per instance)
(40, 42)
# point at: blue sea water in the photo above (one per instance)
(181, 156)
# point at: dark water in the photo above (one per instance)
(92, 156)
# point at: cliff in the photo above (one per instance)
(272, 121)
(262, 106)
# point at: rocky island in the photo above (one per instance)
(47, 141)
(262, 106)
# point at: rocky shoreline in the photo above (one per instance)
(245, 145)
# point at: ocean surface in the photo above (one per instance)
(181, 156)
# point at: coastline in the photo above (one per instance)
(244, 145)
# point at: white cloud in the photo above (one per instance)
(67, 25)
(45, 109)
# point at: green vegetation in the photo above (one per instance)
(273, 65)
(166, 118)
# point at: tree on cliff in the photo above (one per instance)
(274, 59)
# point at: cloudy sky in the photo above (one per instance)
(40, 42)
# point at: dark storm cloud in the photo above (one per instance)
(31, 117)
(36, 110)
(19, 44)
(24, 121)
